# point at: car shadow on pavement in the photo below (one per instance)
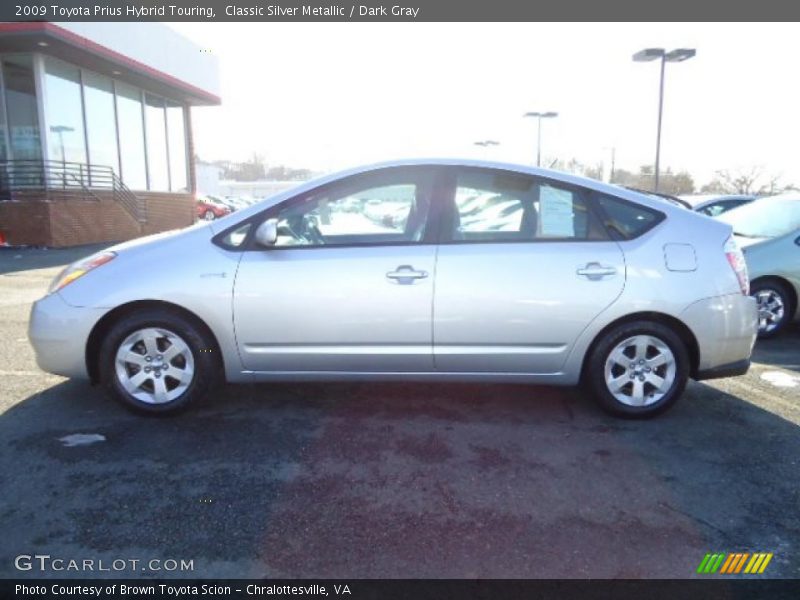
(399, 480)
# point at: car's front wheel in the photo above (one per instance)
(209, 215)
(638, 369)
(158, 362)
(774, 307)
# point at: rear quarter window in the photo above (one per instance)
(627, 220)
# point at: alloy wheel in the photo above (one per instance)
(771, 309)
(640, 370)
(154, 365)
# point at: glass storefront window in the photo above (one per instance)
(92, 119)
(101, 130)
(157, 165)
(131, 136)
(176, 134)
(3, 147)
(23, 119)
(64, 112)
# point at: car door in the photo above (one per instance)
(348, 286)
(524, 266)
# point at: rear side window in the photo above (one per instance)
(500, 206)
(626, 220)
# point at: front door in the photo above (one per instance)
(348, 286)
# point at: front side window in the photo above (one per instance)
(379, 210)
(498, 206)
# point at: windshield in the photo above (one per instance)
(768, 218)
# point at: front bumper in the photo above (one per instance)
(725, 328)
(59, 332)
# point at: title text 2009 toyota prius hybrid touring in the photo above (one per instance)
(426, 270)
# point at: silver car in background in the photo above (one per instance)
(439, 270)
(768, 230)
(713, 205)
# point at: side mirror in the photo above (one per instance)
(267, 233)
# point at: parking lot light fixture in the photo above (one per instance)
(539, 116)
(651, 54)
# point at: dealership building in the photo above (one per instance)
(96, 130)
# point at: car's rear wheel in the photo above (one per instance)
(209, 215)
(638, 369)
(774, 307)
(158, 362)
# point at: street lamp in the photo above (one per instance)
(540, 116)
(647, 55)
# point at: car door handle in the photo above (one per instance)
(406, 274)
(595, 271)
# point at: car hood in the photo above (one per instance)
(157, 239)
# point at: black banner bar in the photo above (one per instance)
(439, 589)
(396, 10)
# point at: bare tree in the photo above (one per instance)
(674, 183)
(752, 181)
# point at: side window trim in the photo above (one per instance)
(427, 178)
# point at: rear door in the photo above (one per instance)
(523, 267)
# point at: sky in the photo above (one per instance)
(328, 96)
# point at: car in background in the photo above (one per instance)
(713, 205)
(210, 208)
(548, 278)
(768, 230)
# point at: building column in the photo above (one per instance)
(192, 173)
(38, 79)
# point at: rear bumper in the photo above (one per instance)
(725, 328)
(739, 367)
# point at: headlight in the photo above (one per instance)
(78, 269)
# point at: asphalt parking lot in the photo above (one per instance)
(394, 480)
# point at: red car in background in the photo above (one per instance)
(209, 208)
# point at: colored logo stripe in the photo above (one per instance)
(733, 563)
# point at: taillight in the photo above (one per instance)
(736, 261)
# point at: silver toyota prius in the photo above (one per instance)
(435, 270)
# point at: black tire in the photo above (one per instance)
(207, 364)
(595, 374)
(209, 215)
(778, 288)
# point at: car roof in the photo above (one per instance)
(568, 178)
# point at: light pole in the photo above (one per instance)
(677, 55)
(540, 116)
